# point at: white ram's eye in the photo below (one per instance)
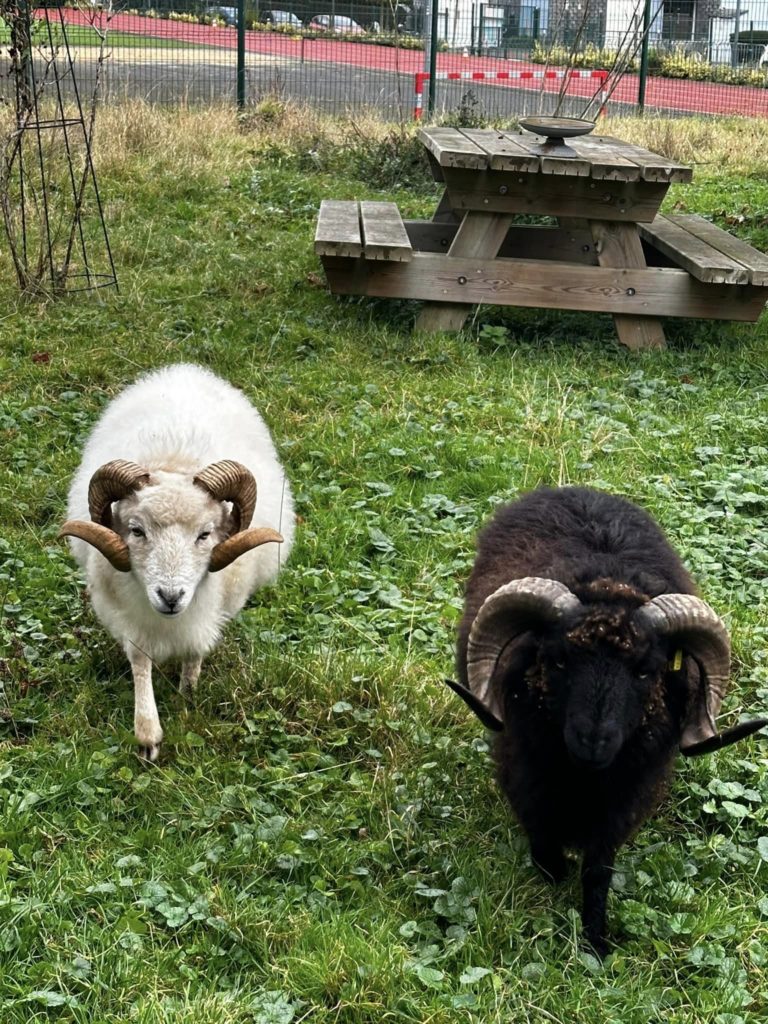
(204, 535)
(559, 664)
(643, 675)
(136, 531)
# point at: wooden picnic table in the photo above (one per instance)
(604, 246)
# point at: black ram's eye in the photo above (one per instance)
(137, 531)
(204, 535)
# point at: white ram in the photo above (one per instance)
(164, 521)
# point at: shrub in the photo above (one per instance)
(395, 160)
(590, 57)
(679, 64)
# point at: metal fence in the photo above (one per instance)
(486, 58)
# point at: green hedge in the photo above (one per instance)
(666, 64)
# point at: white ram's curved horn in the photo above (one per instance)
(109, 543)
(226, 552)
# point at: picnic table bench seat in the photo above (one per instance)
(364, 230)
(603, 247)
(706, 251)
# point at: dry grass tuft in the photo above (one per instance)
(200, 137)
(736, 144)
(202, 140)
(191, 138)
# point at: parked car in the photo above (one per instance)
(335, 23)
(281, 18)
(227, 14)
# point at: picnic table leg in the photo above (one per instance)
(618, 245)
(445, 213)
(479, 234)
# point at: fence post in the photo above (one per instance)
(240, 54)
(432, 57)
(643, 78)
(418, 94)
(736, 36)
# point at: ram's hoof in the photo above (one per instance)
(149, 754)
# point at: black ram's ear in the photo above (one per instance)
(486, 716)
(725, 739)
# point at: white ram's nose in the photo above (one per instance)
(170, 600)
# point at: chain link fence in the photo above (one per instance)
(491, 59)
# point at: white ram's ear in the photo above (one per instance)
(483, 712)
(229, 523)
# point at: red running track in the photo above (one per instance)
(662, 93)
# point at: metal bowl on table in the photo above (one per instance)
(555, 131)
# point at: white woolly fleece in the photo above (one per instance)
(179, 419)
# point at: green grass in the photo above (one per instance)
(323, 840)
(84, 35)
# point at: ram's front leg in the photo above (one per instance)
(547, 854)
(596, 873)
(190, 673)
(146, 721)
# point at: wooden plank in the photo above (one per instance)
(551, 163)
(431, 236)
(653, 166)
(504, 151)
(553, 195)
(479, 234)
(530, 241)
(692, 253)
(755, 262)
(618, 245)
(338, 229)
(608, 162)
(384, 235)
(651, 291)
(434, 166)
(452, 149)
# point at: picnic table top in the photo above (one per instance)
(597, 156)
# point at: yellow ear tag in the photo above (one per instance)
(677, 661)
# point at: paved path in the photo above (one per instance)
(663, 94)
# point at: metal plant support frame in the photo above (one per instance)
(44, 216)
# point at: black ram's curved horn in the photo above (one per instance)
(725, 739)
(484, 713)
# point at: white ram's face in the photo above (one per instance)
(171, 527)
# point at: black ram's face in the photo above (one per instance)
(600, 695)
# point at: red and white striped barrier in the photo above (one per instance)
(504, 76)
